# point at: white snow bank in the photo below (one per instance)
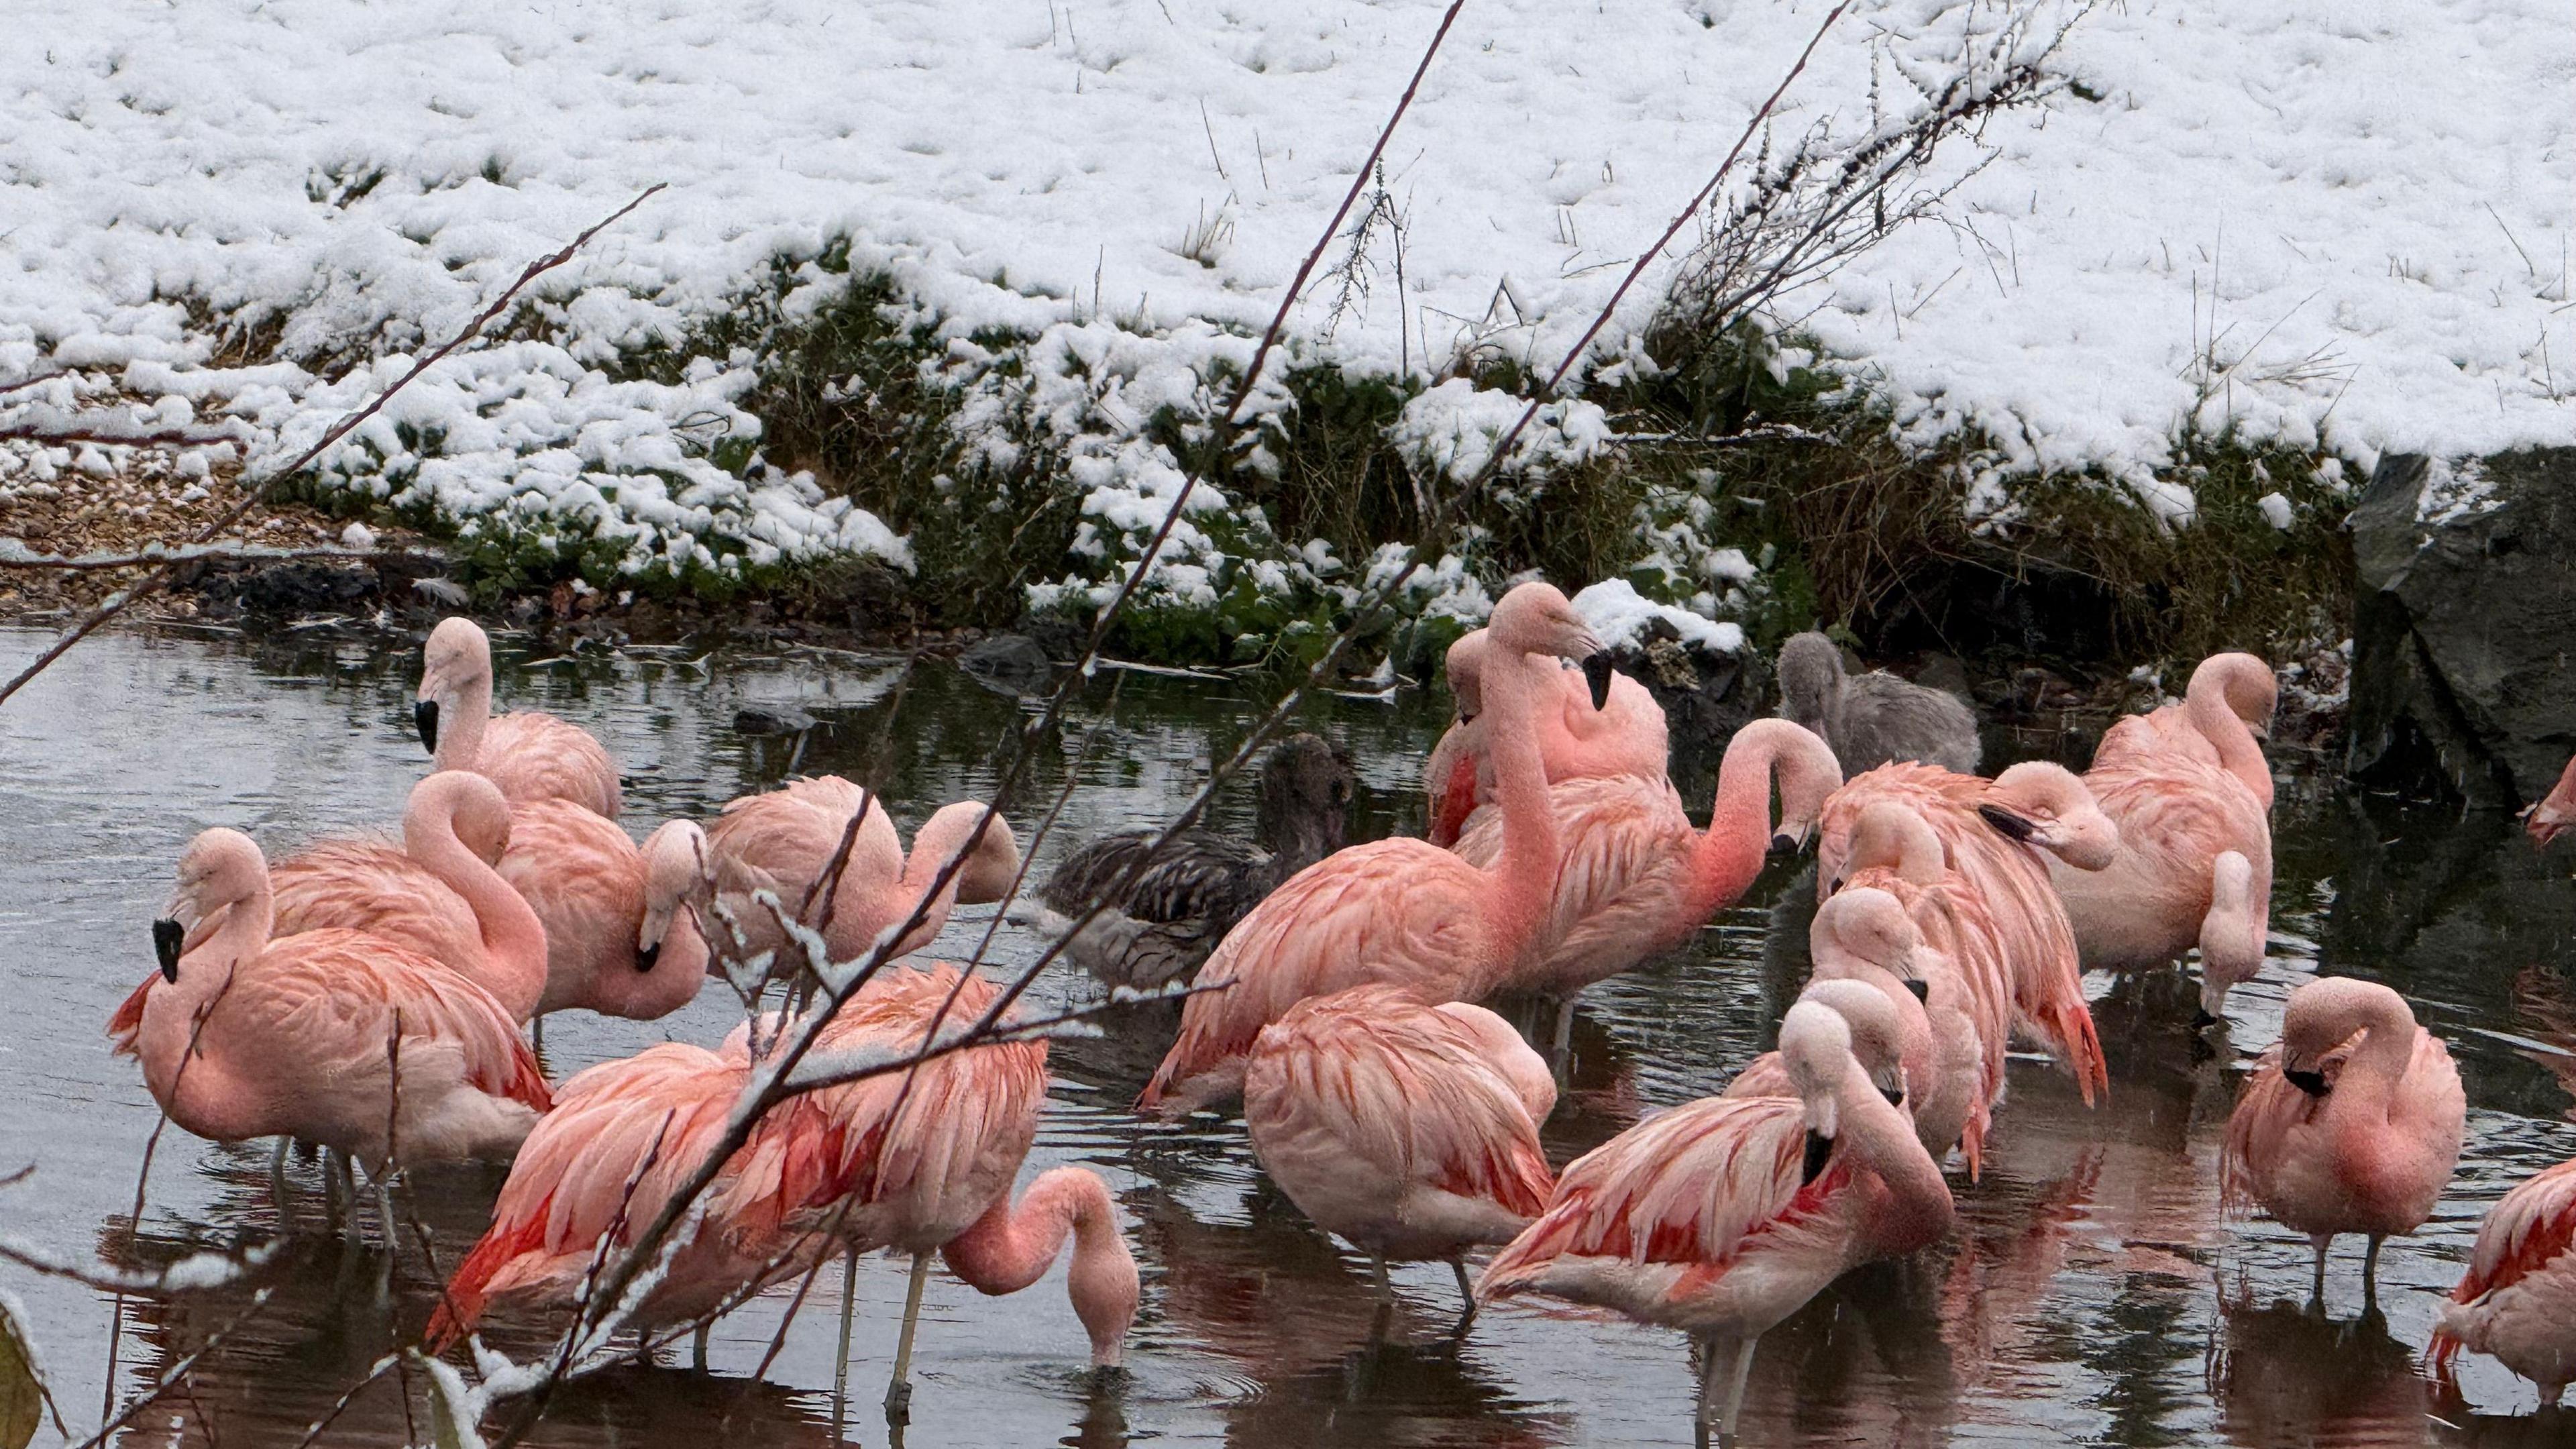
(2338, 226)
(1619, 616)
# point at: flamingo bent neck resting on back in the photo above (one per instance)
(1636, 878)
(2517, 1298)
(1992, 833)
(439, 894)
(1400, 911)
(530, 755)
(242, 1035)
(625, 927)
(1411, 1130)
(1722, 1216)
(1874, 718)
(2229, 701)
(783, 842)
(1607, 725)
(2350, 1124)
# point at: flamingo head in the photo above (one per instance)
(1877, 1032)
(1816, 1051)
(457, 657)
(1811, 669)
(1895, 836)
(679, 879)
(1536, 618)
(1869, 926)
(2320, 1024)
(219, 867)
(469, 804)
(2231, 934)
(992, 864)
(1807, 774)
(1465, 664)
(2252, 691)
(2048, 806)
(1305, 804)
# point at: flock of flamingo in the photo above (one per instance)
(371, 998)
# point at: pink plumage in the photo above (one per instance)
(2047, 808)
(783, 841)
(2517, 1299)
(530, 755)
(622, 928)
(2229, 697)
(1626, 736)
(302, 1037)
(2350, 1124)
(1411, 1130)
(2550, 817)
(1400, 912)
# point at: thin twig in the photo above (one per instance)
(251, 497)
(10, 558)
(178, 1371)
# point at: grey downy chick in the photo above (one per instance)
(1873, 718)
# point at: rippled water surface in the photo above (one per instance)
(2093, 1293)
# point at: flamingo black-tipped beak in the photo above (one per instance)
(424, 717)
(1922, 989)
(2201, 1020)
(1895, 1095)
(2311, 1081)
(168, 937)
(1784, 844)
(1819, 1147)
(2007, 822)
(1597, 669)
(647, 957)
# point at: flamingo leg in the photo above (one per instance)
(1466, 1293)
(698, 1347)
(1703, 1349)
(2317, 1293)
(277, 1180)
(1726, 1435)
(344, 1184)
(2370, 1273)
(899, 1393)
(841, 1360)
(1563, 1056)
(536, 1033)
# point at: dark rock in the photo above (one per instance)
(2464, 609)
(1014, 662)
(1061, 636)
(771, 720)
(288, 589)
(1706, 696)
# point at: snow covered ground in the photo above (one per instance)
(2344, 226)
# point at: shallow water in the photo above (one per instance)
(2093, 1293)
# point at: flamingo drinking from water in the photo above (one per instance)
(2517, 1301)
(624, 927)
(1636, 878)
(530, 755)
(1410, 1130)
(784, 842)
(2351, 1124)
(1875, 718)
(1993, 834)
(438, 894)
(1400, 911)
(337, 1037)
(1723, 1216)
(1608, 724)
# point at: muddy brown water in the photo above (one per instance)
(2093, 1292)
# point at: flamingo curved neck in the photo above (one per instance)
(460, 739)
(2238, 753)
(1884, 1141)
(1012, 1246)
(1730, 852)
(2372, 1074)
(514, 940)
(1524, 879)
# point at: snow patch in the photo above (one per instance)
(1620, 617)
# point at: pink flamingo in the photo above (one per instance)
(353, 1041)
(1411, 1130)
(438, 894)
(530, 755)
(865, 1162)
(1723, 1216)
(2230, 699)
(2351, 1124)
(1400, 911)
(1609, 725)
(1968, 997)
(1993, 832)
(1636, 878)
(783, 842)
(1882, 1038)
(622, 926)
(2555, 811)
(2517, 1301)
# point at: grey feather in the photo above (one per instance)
(1871, 719)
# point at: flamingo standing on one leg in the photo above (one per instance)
(2550, 817)
(438, 894)
(530, 755)
(1400, 911)
(1723, 1216)
(783, 841)
(1993, 833)
(1636, 878)
(624, 927)
(352, 1041)
(1411, 1130)
(2231, 697)
(2351, 1124)
(1608, 725)
(2517, 1301)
